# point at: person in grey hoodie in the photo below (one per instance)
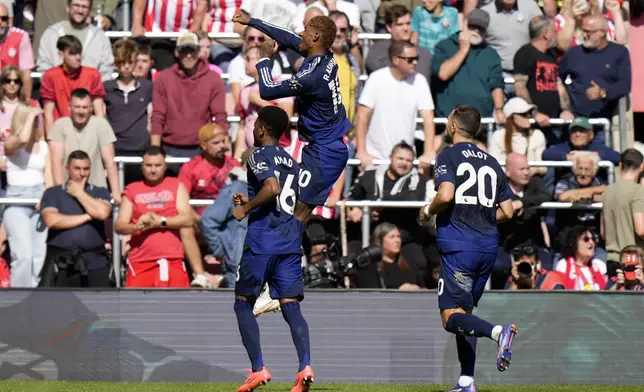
(97, 49)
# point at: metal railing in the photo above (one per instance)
(366, 219)
(367, 205)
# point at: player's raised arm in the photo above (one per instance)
(505, 211)
(300, 83)
(285, 38)
(445, 187)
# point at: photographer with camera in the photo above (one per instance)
(528, 274)
(393, 271)
(629, 273)
(326, 268)
(399, 181)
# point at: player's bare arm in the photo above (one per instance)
(505, 211)
(270, 190)
(443, 199)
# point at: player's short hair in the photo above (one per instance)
(124, 50)
(403, 146)
(208, 131)
(69, 42)
(631, 159)
(154, 151)
(77, 154)
(468, 118)
(397, 48)
(327, 29)
(538, 25)
(274, 119)
(81, 93)
(392, 13)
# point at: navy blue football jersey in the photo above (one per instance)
(316, 88)
(272, 228)
(469, 224)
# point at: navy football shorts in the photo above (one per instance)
(324, 164)
(282, 272)
(463, 276)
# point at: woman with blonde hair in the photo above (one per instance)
(28, 174)
(11, 94)
(517, 134)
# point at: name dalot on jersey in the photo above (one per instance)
(474, 154)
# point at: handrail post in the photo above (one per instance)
(623, 132)
(366, 226)
(126, 15)
(121, 168)
(116, 249)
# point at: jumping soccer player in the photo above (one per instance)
(472, 196)
(322, 120)
(272, 250)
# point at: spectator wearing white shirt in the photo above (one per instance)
(351, 10)
(97, 49)
(388, 106)
(517, 134)
(28, 174)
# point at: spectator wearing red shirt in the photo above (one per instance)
(15, 49)
(154, 212)
(185, 97)
(58, 83)
(205, 174)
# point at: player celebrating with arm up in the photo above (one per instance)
(472, 196)
(272, 250)
(322, 119)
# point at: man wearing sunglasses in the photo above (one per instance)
(15, 49)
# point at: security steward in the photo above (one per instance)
(75, 213)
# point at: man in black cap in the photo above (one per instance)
(466, 70)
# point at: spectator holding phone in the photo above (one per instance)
(629, 273)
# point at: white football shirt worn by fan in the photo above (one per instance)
(169, 15)
(395, 104)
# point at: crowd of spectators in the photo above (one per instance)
(98, 98)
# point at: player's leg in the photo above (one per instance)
(287, 285)
(250, 279)
(322, 165)
(503, 335)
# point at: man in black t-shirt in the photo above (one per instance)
(536, 75)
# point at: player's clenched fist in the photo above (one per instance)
(268, 49)
(240, 199)
(242, 17)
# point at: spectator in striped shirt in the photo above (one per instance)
(15, 49)
(568, 23)
(164, 16)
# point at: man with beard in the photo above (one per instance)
(468, 71)
(600, 72)
(153, 212)
(536, 74)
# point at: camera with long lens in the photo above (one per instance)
(331, 271)
(525, 270)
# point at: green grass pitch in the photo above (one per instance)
(57, 386)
